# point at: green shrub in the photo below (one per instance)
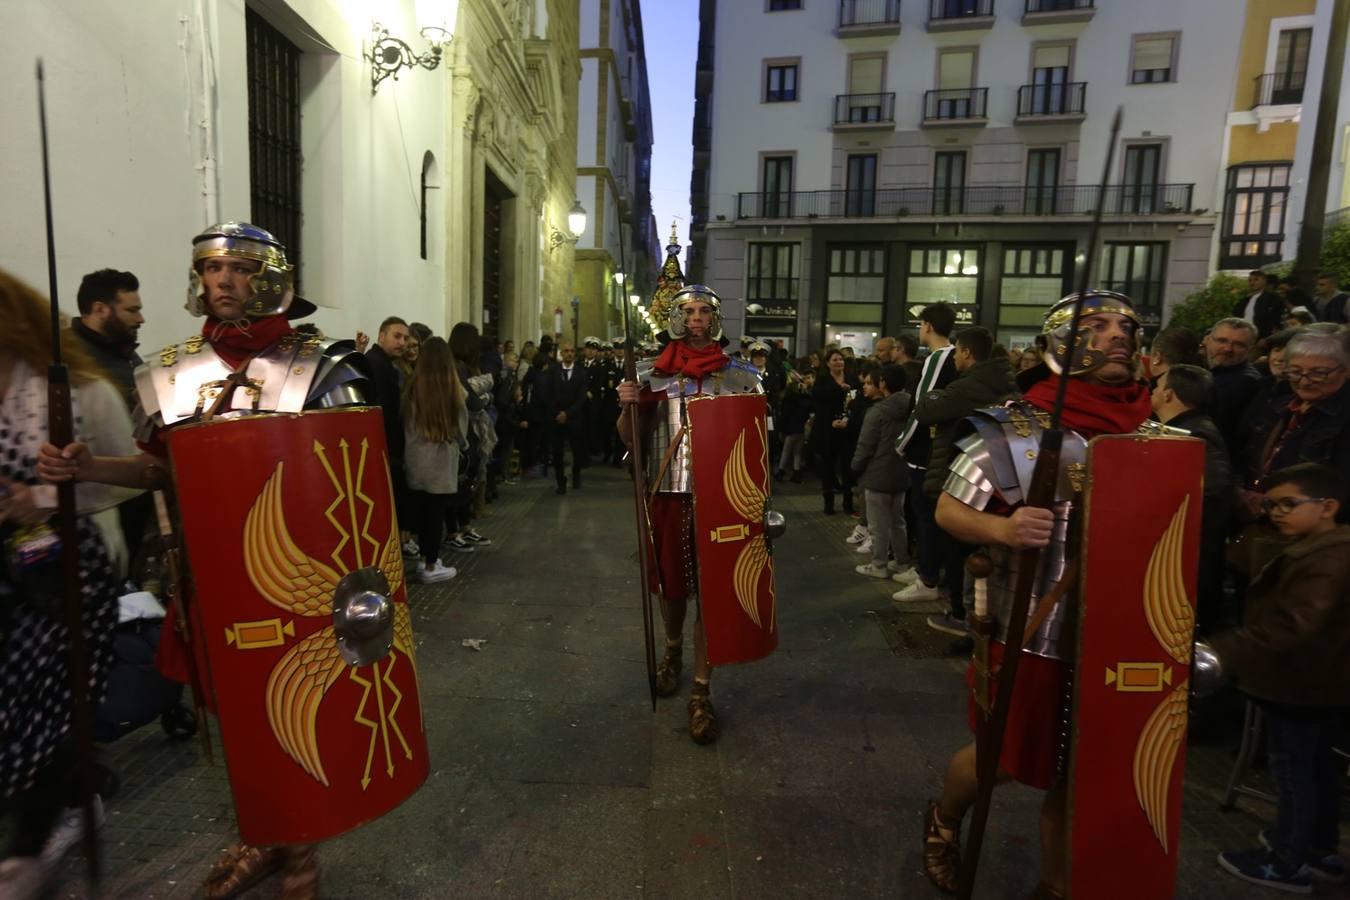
(1336, 251)
(1215, 301)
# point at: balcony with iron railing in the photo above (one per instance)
(1051, 103)
(984, 201)
(958, 107)
(1279, 89)
(858, 18)
(1047, 12)
(864, 112)
(960, 15)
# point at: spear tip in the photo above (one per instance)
(39, 69)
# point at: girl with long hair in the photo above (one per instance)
(36, 757)
(435, 429)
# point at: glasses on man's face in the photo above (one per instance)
(1285, 505)
(1312, 376)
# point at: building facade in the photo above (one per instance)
(614, 158)
(427, 195)
(868, 157)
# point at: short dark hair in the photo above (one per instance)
(893, 377)
(422, 332)
(1191, 384)
(103, 286)
(1178, 346)
(1314, 479)
(978, 341)
(909, 344)
(390, 322)
(1265, 275)
(940, 317)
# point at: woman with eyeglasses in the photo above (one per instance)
(1312, 423)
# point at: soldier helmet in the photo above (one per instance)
(592, 342)
(1086, 356)
(273, 284)
(695, 292)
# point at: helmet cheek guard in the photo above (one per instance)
(1087, 356)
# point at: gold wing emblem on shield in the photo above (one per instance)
(747, 499)
(1167, 609)
(292, 580)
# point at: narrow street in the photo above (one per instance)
(552, 778)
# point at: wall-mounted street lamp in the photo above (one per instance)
(634, 299)
(389, 55)
(576, 225)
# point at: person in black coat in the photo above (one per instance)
(1262, 306)
(1179, 400)
(565, 388)
(829, 441)
(1229, 347)
(388, 382)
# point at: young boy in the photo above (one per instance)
(1292, 656)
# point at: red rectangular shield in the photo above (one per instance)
(1141, 534)
(276, 510)
(729, 451)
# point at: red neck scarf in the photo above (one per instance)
(236, 342)
(680, 359)
(1093, 409)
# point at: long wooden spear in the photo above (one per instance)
(639, 486)
(60, 433)
(1041, 493)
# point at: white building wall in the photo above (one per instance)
(1188, 114)
(125, 104)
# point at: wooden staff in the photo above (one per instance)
(61, 433)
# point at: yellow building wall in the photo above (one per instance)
(1247, 144)
(1255, 40)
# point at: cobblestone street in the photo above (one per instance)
(551, 777)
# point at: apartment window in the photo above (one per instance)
(950, 274)
(1033, 277)
(856, 290)
(860, 198)
(949, 182)
(1049, 80)
(274, 132)
(780, 83)
(1139, 272)
(773, 280)
(1253, 221)
(780, 5)
(1042, 191)
(1291, 65)
(777, 186)
(1140, 188)
(1153, 58)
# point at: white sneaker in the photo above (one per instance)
(871, 571)
(858, 535)
(894, 567)
(66, 834)
(410, 548)
(865, 546)
(435, 572)
(906, 576)
(915, 592)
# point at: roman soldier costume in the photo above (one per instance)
(715, 552)
(1114, 738)
(297, 632)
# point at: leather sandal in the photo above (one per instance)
(300, 875)
(668, 671)
(702, 717)
(941, 850)
(239, 868)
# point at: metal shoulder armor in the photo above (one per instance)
(998, 456)
(737, 377)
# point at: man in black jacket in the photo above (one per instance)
(1329, 301)
(1179, 400)
(389, 344)
(565, 387)
(110, 316)
(985, 378)
(1261, 306)
(1228, 347)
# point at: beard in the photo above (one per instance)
(119, 332)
